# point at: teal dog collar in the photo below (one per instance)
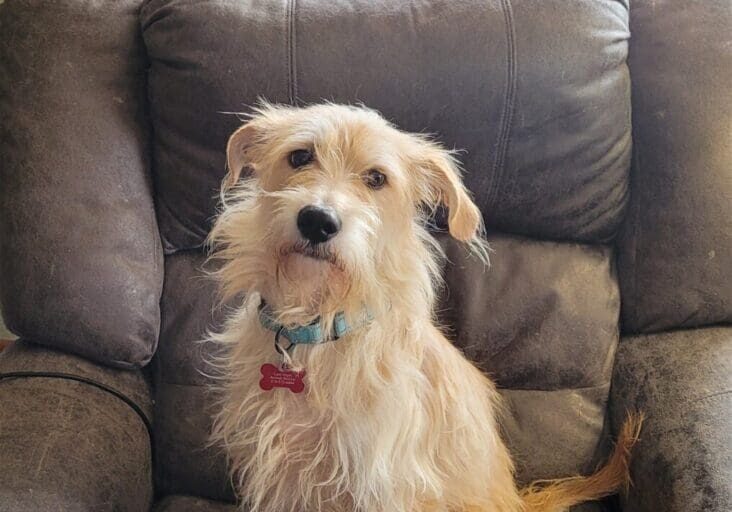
(311, 334)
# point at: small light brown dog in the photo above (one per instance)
(329, 228)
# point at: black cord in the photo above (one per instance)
(99, 385)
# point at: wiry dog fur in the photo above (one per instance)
(394, 418)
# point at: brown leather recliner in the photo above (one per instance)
(598, 144)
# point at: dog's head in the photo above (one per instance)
(324, 209)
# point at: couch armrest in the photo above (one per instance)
(74, 436)
(682, 381)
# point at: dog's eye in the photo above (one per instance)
(375, 179)
(300, 157)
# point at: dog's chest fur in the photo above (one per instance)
(369, 429)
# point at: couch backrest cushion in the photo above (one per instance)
(80, 258)
(676, 250)
(536, 93)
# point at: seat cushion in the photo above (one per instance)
(537, 94)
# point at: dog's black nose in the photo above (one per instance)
(318, 223)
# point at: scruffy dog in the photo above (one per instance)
(340, 393)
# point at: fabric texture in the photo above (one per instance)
(682, 382)
(80, 254)
(71, 445)
(676, 250)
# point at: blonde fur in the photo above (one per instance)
(394, 418)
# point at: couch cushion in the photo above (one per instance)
(536, 93)
(80, 257)
(34, 360)
(74, 436)
(682, 381)
(542, 320)
(184, 399)
(676, 248)
(543, 316)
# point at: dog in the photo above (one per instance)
(339, 391)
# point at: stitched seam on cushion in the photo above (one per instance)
(712, 396)
(112, 391)
(558, 389)
(636, 234)
(508, 104)
(166, 382)
(291, 52)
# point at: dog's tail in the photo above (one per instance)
(558, 495)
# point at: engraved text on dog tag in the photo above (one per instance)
(273, 377)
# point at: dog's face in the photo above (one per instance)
(326, 206)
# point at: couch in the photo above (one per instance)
(596, 137)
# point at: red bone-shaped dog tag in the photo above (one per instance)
(273, 377)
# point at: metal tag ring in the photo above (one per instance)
(281, 350)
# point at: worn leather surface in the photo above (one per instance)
(184, 399)
(67, 445)
(23, 356)
(80, 258)
(542, 321)
(553, 434)
(192, 504)
(536, 93)
(186, 462)
(544, 315)
(682, 381)
(676, 250)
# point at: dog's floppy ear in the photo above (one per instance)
(444, 186)
(238, 152)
